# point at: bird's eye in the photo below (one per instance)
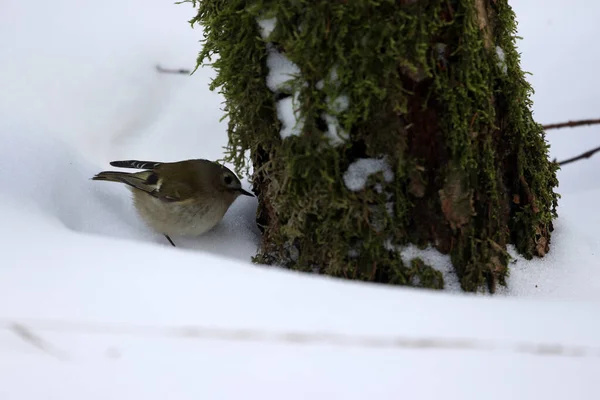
(228, 179)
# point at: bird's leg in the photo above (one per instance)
(170, 241)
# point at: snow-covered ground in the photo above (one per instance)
(94, 306)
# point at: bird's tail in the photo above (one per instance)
(111, 176)
(144, 181)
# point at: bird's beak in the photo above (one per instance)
(246, 193)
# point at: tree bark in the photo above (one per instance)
(422, 101)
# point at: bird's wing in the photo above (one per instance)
(135, 164)
(173, 190)
(146, 181)
(180, 186)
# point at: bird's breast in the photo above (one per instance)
(187, 218)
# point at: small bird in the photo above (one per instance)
(184, 198)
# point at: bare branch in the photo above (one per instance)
(587, 154)
(572, 124)
(172, 71)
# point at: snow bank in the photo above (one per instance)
(54, 178)
(101, 318)
(571, 269)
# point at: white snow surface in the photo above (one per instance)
(95, 306)
(358, 172)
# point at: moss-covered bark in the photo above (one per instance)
(434, 87)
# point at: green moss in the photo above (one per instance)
(426, 90)
(423, 275)
(535, 177)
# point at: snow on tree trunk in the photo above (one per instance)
(372, 125)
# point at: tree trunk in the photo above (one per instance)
(402, 122)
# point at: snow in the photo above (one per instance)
(267, 26)
(280, 79)
(93, 305)
(570, 270)
(434, 259)
(338, 104)
(287, 112)
(332, 78)
(335, 134)
(282, 71)
(501, 59)
(440, 53)
(333, 75)
(358, 172)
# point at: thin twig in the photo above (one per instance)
(587, 154)
(571, 124)
(172, 71)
